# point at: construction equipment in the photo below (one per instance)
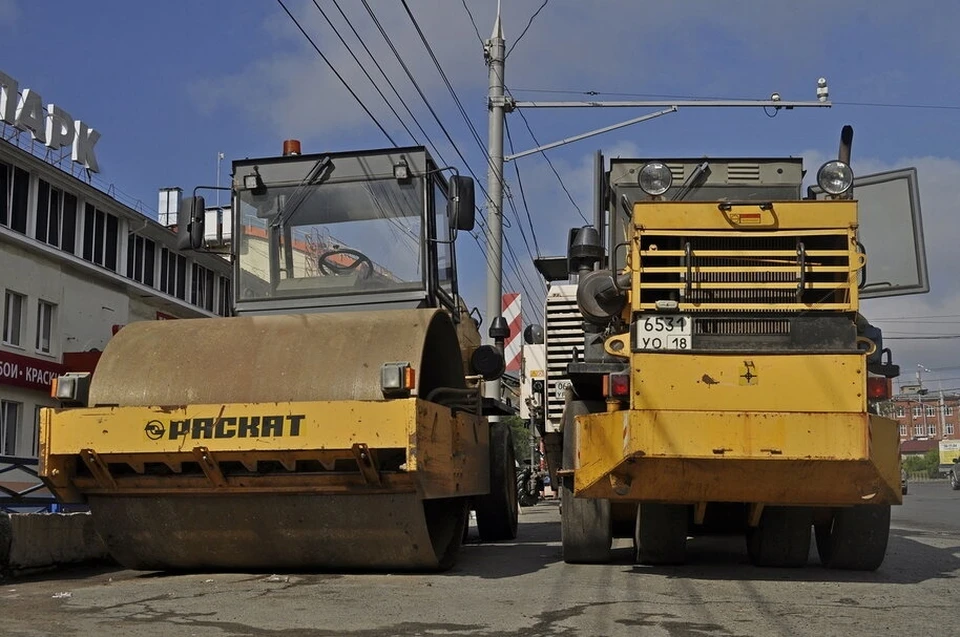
(725, 379)
(338, 421)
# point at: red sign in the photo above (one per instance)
(31, 373)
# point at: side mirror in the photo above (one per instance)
(461, 208)
(190, 220)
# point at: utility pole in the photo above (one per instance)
(494, 51)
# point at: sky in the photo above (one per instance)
(171, 84)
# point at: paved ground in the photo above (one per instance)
(526, 590)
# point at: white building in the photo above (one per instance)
(76, 265)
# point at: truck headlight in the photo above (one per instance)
(835, 177)
(655, 178)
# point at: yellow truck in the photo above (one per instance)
(337, 421)
(726, 379)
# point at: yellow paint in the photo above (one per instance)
(325, 425)
(771, 457)
(784, 215)
(720, 382)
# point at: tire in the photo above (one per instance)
(954, 481)
(585, 527)
(855, 539)
(661, 533)
(782, 539)
(498, 510)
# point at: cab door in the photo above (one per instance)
(890, 233)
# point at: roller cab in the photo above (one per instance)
(727, 379)
(336, 422)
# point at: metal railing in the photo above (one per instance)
(61, 158)
(21, 487)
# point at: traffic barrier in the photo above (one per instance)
(41, 540)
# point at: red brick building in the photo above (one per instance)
(926, 417)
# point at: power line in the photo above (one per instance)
(403, 102)
(466, 119)
(472, 21)
(552, 167)
(335, 72)
(523, 196)
(525, 29)
(362, 68)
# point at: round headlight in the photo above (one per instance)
(655, 178)
(835, 177)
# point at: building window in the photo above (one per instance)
(918, 431)
(56, 217)
(900, 411)
(14, 189)
(173, 274)
(931, 430)
(903, 431)
(916, 412)
(948, 429)
(9, 424)
(13, 318)
(947, 410)
(100, 237)
(931, 412)
(224, 305)
(141, 254)
(201, 287)
(44, 325)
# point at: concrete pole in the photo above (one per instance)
(495, 105)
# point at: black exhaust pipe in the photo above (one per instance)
(846, 142)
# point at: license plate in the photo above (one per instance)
(668, 332)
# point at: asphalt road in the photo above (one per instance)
(525, 589)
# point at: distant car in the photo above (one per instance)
(903, 482)
(955, 476)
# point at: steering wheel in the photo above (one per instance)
(334, 268)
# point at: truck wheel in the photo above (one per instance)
(855, 539)
(498, 510)
(782, 539)
(585, 527)
(954, 481)
(661, 533)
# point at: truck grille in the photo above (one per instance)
(563, 334)
(747, 272)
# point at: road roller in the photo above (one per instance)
(336, 421)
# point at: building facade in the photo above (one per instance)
(926, 417)
(76, 265)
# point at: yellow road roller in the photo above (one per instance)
(336, 422)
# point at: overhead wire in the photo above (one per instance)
(335, 72)
(406, 107)
(476, 136)
(523, 197)
(364, 70)
(525, 29)
(552, 167)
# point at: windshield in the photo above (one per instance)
(331, 239)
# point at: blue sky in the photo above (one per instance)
(171, 84)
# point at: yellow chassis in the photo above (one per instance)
(775, 458)
(444, 455)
